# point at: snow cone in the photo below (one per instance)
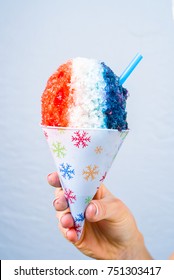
(84, 120)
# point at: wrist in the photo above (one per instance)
(137, 249)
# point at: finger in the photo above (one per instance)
(92, 211)
(66, 226)
(60, 203)
(109, 208)
(67, 221)
(53, 180)
(70, 234)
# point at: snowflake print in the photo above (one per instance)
(103, 177)
(98, 150)
(78, 228)
(67, 171)
(90, 172)
(61, 131)
(46, 134)
(79, 218)
(70, 196)
(59, 149)
(88, 199)
(81, 139)
(123, 135)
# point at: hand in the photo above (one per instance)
(110, 230)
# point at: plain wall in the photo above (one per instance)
(35, 38)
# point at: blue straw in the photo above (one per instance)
(130, 68)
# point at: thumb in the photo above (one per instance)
(107, 208)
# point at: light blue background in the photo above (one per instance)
(35, 38)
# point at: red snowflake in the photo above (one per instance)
(69, 194)
(103, 177)
(81, 139)
(78, 228)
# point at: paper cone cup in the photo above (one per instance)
(83, 157)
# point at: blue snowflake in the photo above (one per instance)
(67, 171)
(79, 218)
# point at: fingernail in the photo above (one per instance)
(48, 176)
(94, 208)
(54, 201)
